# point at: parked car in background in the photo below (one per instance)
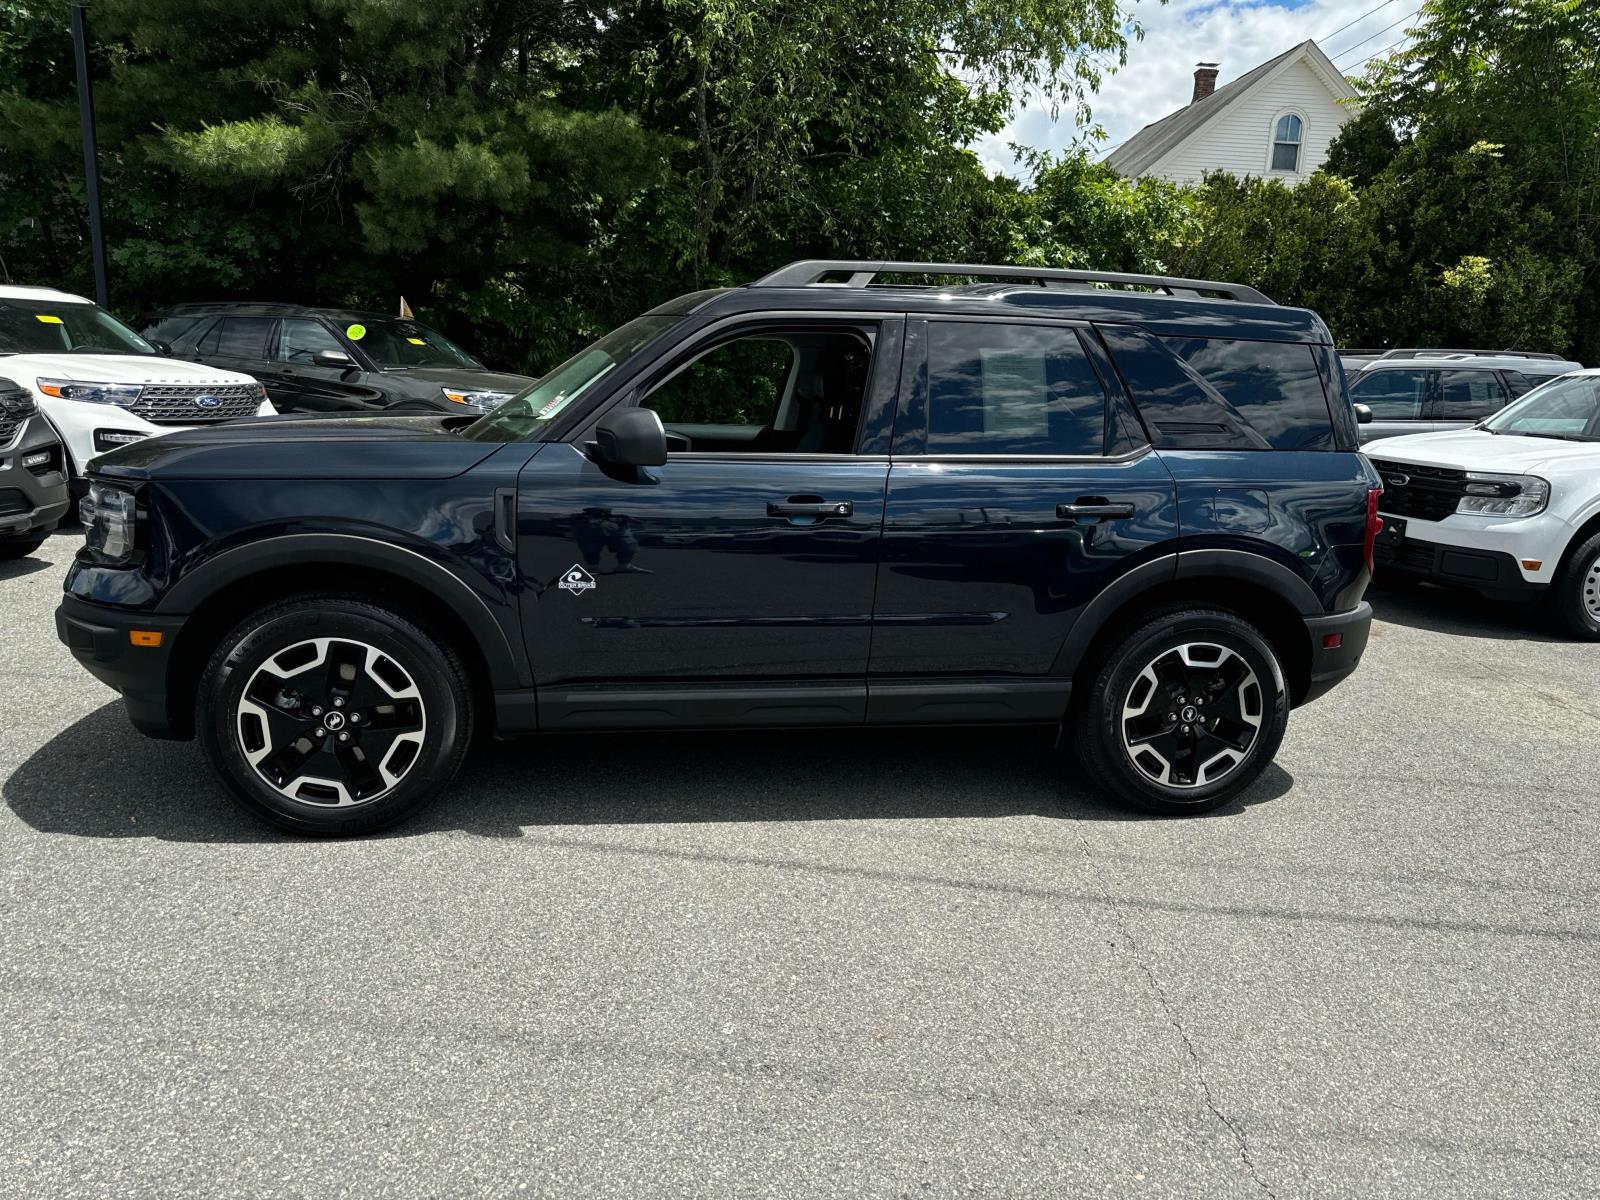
(334, 359)
(1509, 508)
(1137, 521)
(1412, 391)
(99, 384)
(33, 477)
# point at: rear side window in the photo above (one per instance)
(1468, 396)
(1012, 389)
(238, 337)
(1519, 383)
(1274, 386)
(1393, 395)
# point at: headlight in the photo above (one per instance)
(481, 400)
(108, 516)
(1493, 495)
(121, 394)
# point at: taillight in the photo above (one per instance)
(1374, 527)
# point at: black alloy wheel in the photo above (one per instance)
(331, 715)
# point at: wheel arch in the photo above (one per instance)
(1252, 586)
(215, 596)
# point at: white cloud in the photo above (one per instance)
(1159, 76)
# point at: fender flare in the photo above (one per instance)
(503, 654)
(1171, 568)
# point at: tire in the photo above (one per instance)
(1228, 678)
(330, 715)
(1575, 595)
(13, 548)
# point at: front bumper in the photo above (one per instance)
(1337, 643)
(99, 638)
(33, 499)
(1497, 573)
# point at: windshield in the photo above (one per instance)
(1566, 408)
(393, 343)
(52, 327)
(523, 417)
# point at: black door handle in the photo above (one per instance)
(810, 508)
(1093, 508)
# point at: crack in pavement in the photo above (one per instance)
(1227, 1122)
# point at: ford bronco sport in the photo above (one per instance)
(1127, 509)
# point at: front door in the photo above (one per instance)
(733, 584)
(1018, 491)
(298, 384)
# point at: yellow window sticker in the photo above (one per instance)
(416, 341)
(48, 319)
(355, 332)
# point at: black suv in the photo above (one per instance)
(333, 359)
(825, 498)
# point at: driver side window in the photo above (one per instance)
(298, 340)
(798, 393)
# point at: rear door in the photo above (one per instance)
(237, 344)
(1017, 491)
(1399, 398)
(1462, 398)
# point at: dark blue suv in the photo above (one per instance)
(1127, 508)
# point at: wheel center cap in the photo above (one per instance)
(1190, 714)
(333, 720)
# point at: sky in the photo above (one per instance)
(1159, 76)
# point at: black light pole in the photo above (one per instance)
(91, 159)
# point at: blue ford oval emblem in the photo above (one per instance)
(207, 401)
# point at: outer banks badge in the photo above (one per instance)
(576, 580)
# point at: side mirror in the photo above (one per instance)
(631, 437)
(1363, 415)
(165, 347)
(334, 360)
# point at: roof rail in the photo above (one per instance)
(862, 274)
(1411, 352)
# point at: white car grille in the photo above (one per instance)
(186, 404)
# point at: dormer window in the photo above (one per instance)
(1286, 138)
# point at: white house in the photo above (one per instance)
(1275, 121)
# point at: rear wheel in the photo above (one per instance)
(1184, 713)
(330, 715)
(1575, 594)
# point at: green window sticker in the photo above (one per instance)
(355, 332)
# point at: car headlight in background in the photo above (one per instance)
(1493, 495)
(122, 395)
(108, 515)
(480, 400)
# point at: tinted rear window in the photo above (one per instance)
(1274, 386)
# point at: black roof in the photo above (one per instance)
(271, 308)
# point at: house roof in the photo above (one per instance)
(1145, 148)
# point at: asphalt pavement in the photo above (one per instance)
(820, 964)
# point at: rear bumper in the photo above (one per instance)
(33, 499)
(99, 639)
(1337, 643)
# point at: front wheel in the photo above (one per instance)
(1184, 713)
(1575, 594)
(330, 715)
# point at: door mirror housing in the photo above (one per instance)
(333, 360)
(162, 345)
(631, 437)
(1363, 415)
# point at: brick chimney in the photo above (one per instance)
(1205, 81)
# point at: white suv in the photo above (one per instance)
(1509, 508)
(102, 385)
